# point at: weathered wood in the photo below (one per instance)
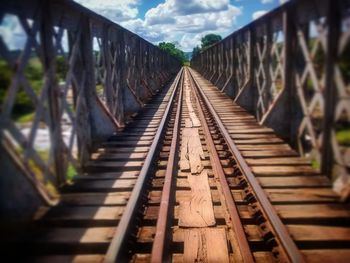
(191, 151)
(198, 211)
(77, 235)
(119, 198)
(319, 233)
(205, 245)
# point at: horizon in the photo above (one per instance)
(181, 23)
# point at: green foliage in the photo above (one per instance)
(196, 50)
(315, 164)
(5, 79)
(61, 67)
(71, 173)
(209, 40)
(343, 137)
(171, 49)
(34, 73)
(25, 118)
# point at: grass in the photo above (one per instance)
(343, 137)
(99, 89)
(71, 173)
(315, 164)
(45, 155)
(25, 118)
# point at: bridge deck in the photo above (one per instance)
(302, 197)
(82, 225)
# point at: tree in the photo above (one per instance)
(172, 50)
(196, 51)
(209, 40)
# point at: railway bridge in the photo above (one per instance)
(130, 157)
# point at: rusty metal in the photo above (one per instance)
(115, 250)
(219, 172)
(280, 229)
(276, 74)
(95, 51)
(162, 222)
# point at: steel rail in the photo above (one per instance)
(162, 222)
(218, 171)
(114, 251)
(281, 232)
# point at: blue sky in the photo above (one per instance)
(184, 22)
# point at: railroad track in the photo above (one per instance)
(196, 179)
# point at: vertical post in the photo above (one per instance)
(121, 64)
(267, 64)
(251, 66)
(86, 89)
(233, 66)
(333, 21)
(290, 92)
(49, 60)
(229, 85)
(108, 69)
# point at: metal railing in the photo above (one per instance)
(93, 75)
(290, 68)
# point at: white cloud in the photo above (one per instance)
(172, 20)
(12, 32)
(258, 14)
(283, 1)
(115, 10)
(189, 21)
(266, 1)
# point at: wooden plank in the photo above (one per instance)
(205, 245)
(191, 151)
(185, 195)
(249, 130)
(302, 195)
(152, 212)
(194, 151)
(313, 211)
(259, 141)
(283, 170)
(271, 147)
(184, 159)
(85, 213)
(245, 136)
(118, 156)
(278, 161)
(116, 165)
(76, 235)
(197, 212)
(276, 153)
(108, 175)
(107, 185)
(295, 181)
(70, 258)
(103, 199)
(126, 143)
(123, 149)
(326, 255)
(188, 123)
(194, 119)
(319, 233)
